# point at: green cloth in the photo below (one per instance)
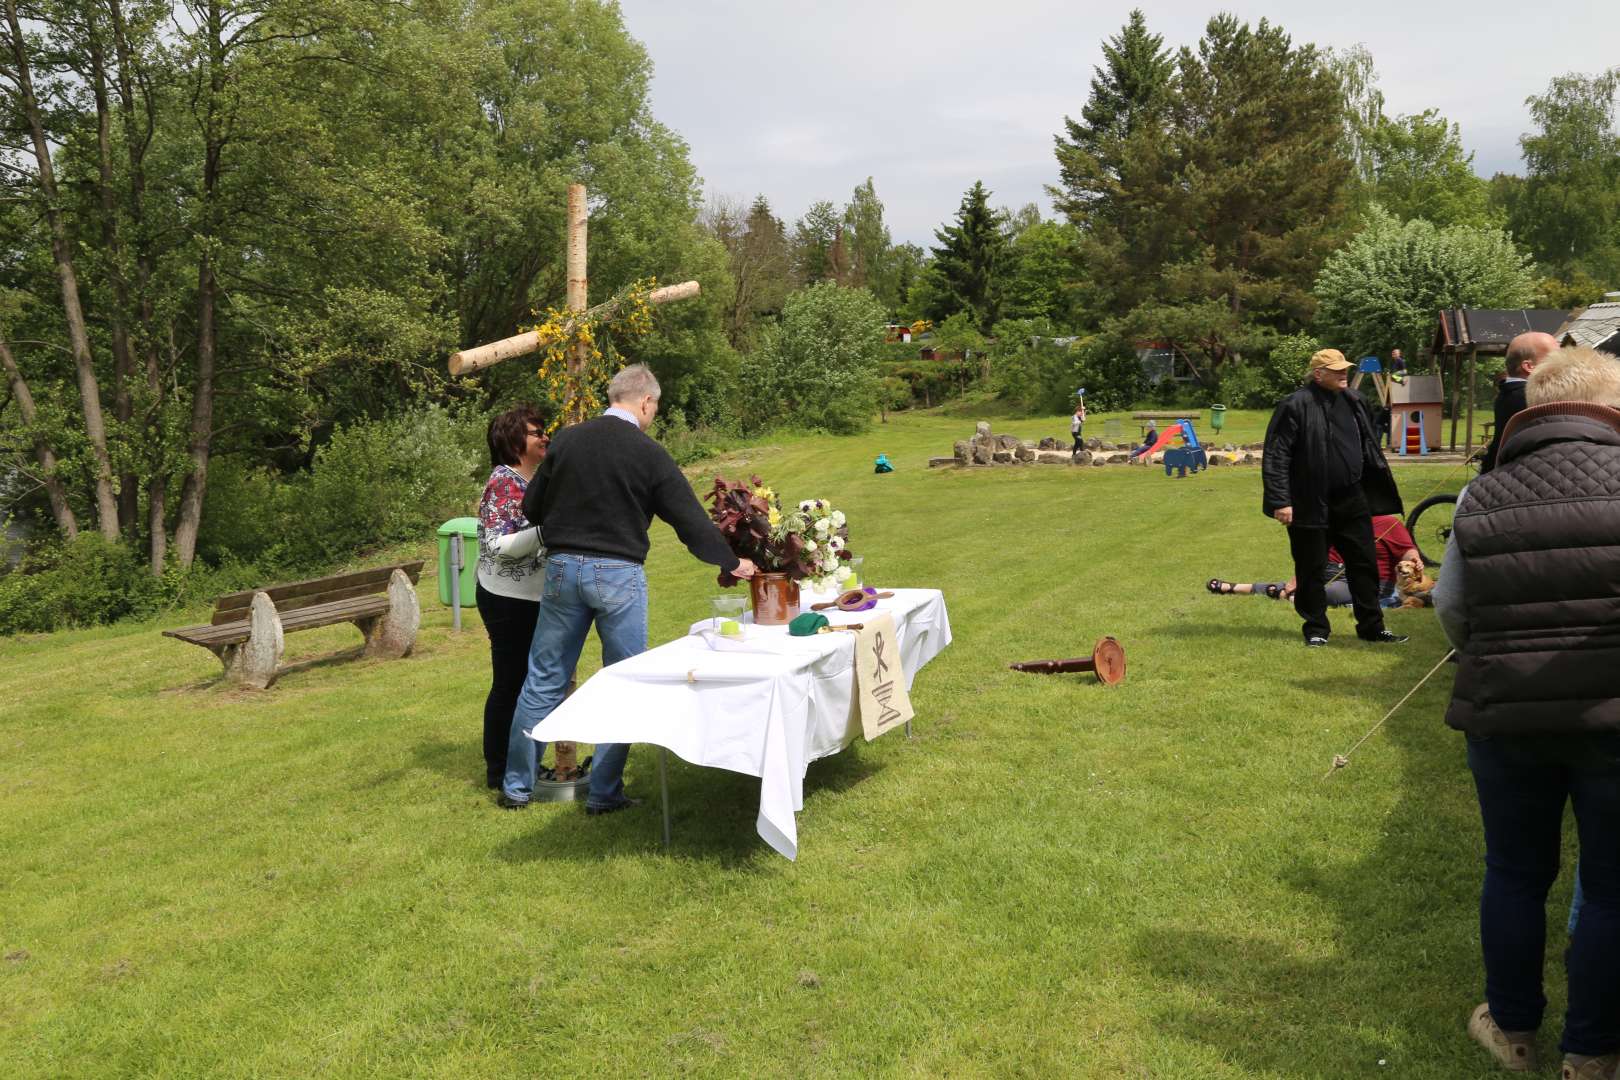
(807, 624)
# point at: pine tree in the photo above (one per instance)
(1257, 139)
(967, 260)
(1129, 92)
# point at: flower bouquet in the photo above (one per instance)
(809, 543)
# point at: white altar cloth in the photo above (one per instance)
(765, 706)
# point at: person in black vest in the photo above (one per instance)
(1324, 478)
(1523, 354)
(1530, 598)
(593, 497)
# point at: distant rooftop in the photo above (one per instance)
(1597, 323)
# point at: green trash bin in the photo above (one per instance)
(467, 529)
(1217, 417)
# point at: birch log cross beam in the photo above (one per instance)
(468, 361)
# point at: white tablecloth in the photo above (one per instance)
(766, 706)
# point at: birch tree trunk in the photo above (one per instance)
(60, 510)
(137, 137)
(195, 487)
(95, 426)
(112, 245)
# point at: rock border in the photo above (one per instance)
(987, 450)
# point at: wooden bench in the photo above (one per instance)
(247, 629)
(1186, 414)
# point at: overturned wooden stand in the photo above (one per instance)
(248, 628)
(1107, 660)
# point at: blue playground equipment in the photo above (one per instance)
(1190, 456)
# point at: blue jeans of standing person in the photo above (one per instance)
(1523, 783)
(580, 590)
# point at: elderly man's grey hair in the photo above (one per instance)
(632, 384)
(1575, 373)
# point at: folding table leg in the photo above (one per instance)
(663, 790)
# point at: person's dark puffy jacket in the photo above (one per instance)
(1539, 542)
(1293, 468)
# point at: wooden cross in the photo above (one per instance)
(468, 361)
(476, 359)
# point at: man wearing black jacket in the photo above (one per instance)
(593, 497)
(1324, 479)
(1523, 354)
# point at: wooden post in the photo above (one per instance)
(578, 282)
(1473, 357)
(1457, 394)
(566, 762)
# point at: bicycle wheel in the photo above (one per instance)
(1430, 525)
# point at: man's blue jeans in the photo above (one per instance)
(1523, 783)
(580, 590)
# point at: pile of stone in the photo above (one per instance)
(986, 448)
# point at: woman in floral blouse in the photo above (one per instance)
(511, 575)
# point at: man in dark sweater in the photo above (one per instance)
(1523, 354)
(593, 498)
(1325, 478)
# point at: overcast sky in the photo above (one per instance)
(802, 101)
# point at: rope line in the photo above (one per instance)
(1341, 760)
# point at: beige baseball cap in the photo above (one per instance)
(1332, 359)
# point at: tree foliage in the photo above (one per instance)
(1129, 92)
(1568, 208)
(967, 261)
(1383, 288)
(819, 366)
(1420, 170)
(278, 216)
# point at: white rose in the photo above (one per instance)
(823, 526)
(810, 547)
(838, 519)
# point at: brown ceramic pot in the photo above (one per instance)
(775, 597)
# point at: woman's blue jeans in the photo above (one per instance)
(1523, 783)
(580, 590)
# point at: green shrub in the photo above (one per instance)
(819, 367)
(1263, 379)
(1108, 367)
(688, 444)
(382, 483)
(371, 485)
(1031, 370)
(80, 583)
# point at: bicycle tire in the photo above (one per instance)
(1440, 532)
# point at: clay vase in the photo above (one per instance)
(775, 597)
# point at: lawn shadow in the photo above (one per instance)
(1188, 627)
(1397, 978)
(461, 761)
(296, 667)
(712, 814)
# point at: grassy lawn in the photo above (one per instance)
(1051, 879)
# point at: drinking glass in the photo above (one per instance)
(728, 615)
(852, 574)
